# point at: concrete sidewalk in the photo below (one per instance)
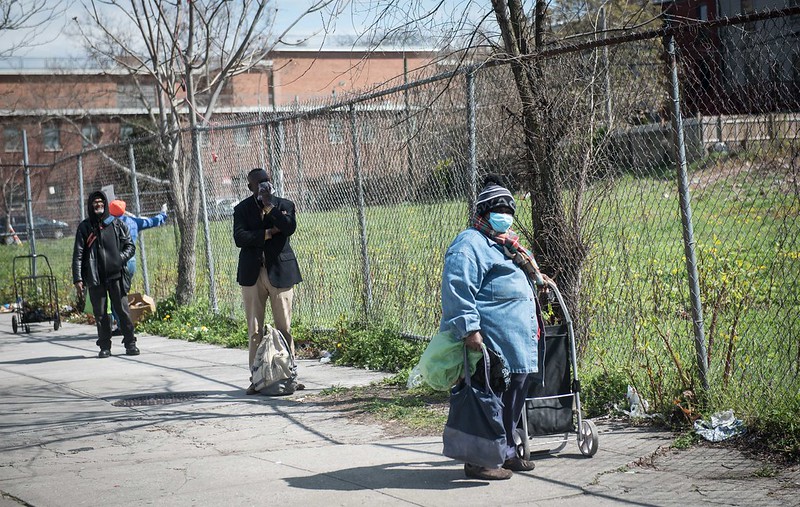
(174, 427)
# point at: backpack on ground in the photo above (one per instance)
(274, 369)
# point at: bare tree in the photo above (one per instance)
(23, 23)
(188, 51)
(560, 117)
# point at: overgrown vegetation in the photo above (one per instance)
(638, 323)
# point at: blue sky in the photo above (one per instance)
(54, 43)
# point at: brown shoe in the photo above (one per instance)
(519, 465)
(486, 474)
(251, 390)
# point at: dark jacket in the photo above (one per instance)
(277, 254)
(101, 248)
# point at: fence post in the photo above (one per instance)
(212, 288)
(686, 214)
(29, 201)
(137, 207)
(82, 201)
(277, 171)
(261, 135)
(473, 144)
(409, 130)
(606, 70)
(299, 156)
(362, 216)
(270, 148)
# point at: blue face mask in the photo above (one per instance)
(501, 222)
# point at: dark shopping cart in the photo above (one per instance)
(36, 295)
(553, 406)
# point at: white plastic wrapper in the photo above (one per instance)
(723, 425)
(415, 378)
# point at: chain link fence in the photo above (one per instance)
(690, 260)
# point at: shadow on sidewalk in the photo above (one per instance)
(49, 359)
(414, 476)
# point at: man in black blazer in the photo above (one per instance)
(262, 224)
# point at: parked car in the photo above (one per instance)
(42, 226)
(222, 208)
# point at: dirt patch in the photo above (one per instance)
(779, 172)
(395, 410)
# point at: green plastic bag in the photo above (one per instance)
(442, 363)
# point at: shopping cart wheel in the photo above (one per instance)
(522, 444)
(587, 438)
(14, 326)
(56, 323)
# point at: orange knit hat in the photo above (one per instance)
(117, 208)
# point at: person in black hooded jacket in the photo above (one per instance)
(102, 247)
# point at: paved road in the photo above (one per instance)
(77, 430)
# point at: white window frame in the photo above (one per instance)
(241, 136)
(90, 135)
(125, 132)
(51, 132)
(336, 131)
(12, 143)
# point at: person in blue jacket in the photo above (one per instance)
(488, 297)
(135, 224)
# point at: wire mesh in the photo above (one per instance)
(383, 183)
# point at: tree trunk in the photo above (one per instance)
(187, 266)
(557, 245)
(187, 206)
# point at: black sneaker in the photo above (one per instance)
(131, 350)
(104, 353)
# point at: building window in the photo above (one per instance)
(241, 136)
(131, 96)
(90, 135)
(702, 12)
(51, 137)
(367, 133)
(12, 138)
(15, 196)
(335, 131)
(125, 132)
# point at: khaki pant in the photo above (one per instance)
(255, 302)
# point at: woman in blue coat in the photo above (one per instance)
(488, 298)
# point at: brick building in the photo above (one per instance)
(64, 109)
